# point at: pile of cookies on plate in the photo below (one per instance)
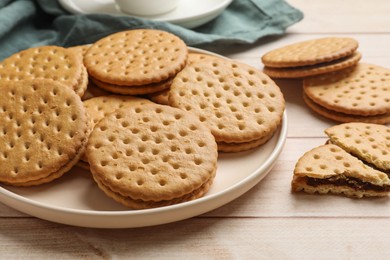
(136, 108)
(356, 160)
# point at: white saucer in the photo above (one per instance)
(189, 13)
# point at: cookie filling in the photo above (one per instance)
(351, 182)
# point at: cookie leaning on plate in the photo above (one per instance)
(150, 155)
(124, 62)
(43, 131)
(46, 62)
(239, 103)
(312, 57)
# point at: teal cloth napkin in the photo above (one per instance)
(28, 23)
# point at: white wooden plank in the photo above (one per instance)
(333, 16)
(202, 238)
(30, 238)
(6, 211)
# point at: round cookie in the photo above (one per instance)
(237, 102)
(136, 57)
(305, 71)
(43, 131)
(310, 52)
(345, 118)
(46, 62)
(362, 90)
(152, 154)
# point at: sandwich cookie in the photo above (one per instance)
(150, 155)
(44, 129)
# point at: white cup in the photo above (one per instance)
(146, 7)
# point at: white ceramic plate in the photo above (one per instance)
(75, 199)
(189, 13)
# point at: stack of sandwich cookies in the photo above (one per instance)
(43, 131)
(242, 106)
(99, 107)
(150, 155)
(136, 62)
(312, 57)
(354, 162)
(46, 62)
(351, 95)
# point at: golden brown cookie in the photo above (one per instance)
(44, 129)
(368, 142)
(46, 62)
(310, 52)
(345, 118)
(150, 155)
(136, 57)
(311, 70)
(362, 90)
(237, 102)
(330, 169)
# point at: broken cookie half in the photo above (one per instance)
(368, 142)
(330, 169)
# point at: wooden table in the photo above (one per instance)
(268, 222)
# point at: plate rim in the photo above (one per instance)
(7, 196)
